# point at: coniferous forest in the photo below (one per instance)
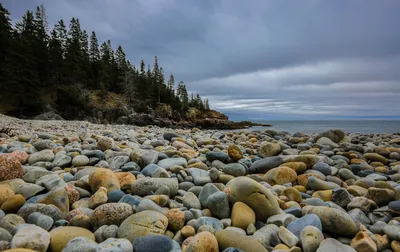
(66, 65)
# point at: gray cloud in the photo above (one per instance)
(258, 59)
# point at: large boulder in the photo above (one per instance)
(256, 196)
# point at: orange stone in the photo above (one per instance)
(10, 167)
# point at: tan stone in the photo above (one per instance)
(203, 242)
(176, 219)
(62, 235)
(292, 194)
(5, 194)
(363, 243)
(102, 177)
(325, 195)
(234, 152)
(13, 204)
(280, 176)
(229, 238)
(188, 231)
(125, 179)
(298, 167)
(242, 215)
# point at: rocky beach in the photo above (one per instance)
(69, 186)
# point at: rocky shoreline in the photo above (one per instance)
(77, 186)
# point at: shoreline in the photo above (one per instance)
(76, 185)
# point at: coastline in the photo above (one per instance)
(191, 187)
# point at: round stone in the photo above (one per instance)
(110, 213)
(280, 176)
(242, 215)
(268, 149)
(10, 167)
(310, 238)
(257, 197)
(62, 235)
(143, 223)
(101, 177)
(203, 242)
(229, 238)
(80, 160)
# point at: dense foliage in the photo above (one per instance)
(35, 61)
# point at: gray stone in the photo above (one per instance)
(265, 164)
(281, 219)
(80, 244)
(80, 160)
(392, 231)
(190, 200)
(115, 245)
(28, 190)
(5, 235)
(49, 210)
(341, 197)
(117, 162)
(332, 245)
(235, 169)
(323, 168)
(208, 221)
(40, 220)
(30, 236)
(168, 162)
(143, 186)
(218, 203)
(51, 181)
(44, 155)
(318, 184)
(205, 192)
(308, 220)
(359, 216)
(268, 235)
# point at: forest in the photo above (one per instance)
(64, 65)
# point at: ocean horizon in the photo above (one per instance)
(349, 126)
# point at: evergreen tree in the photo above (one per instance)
(94, 58)
(171, 82)
(26, 70)
(74, 57)
(34, 61)
(105, 67)
(199, 102)
(6, 51)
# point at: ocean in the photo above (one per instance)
(361, 126)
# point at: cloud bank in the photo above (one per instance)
(259, 59)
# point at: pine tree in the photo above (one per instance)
(74, 58)
(171, 82)
(105, 71)
(6, 52)
(128, 84)
(94, 58)
(41, 52)
(199, 102)
(27, 78)
(206, 104)
(84, 42)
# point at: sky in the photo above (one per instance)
(258, 60)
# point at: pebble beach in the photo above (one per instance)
(74, 186)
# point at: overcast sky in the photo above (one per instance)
(258, 59)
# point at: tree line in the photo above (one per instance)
(34, 60)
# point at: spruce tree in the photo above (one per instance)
(94, 58)
(171, 82)
(105, 64)
(74, 57)
(6, 52)
(26, 68)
